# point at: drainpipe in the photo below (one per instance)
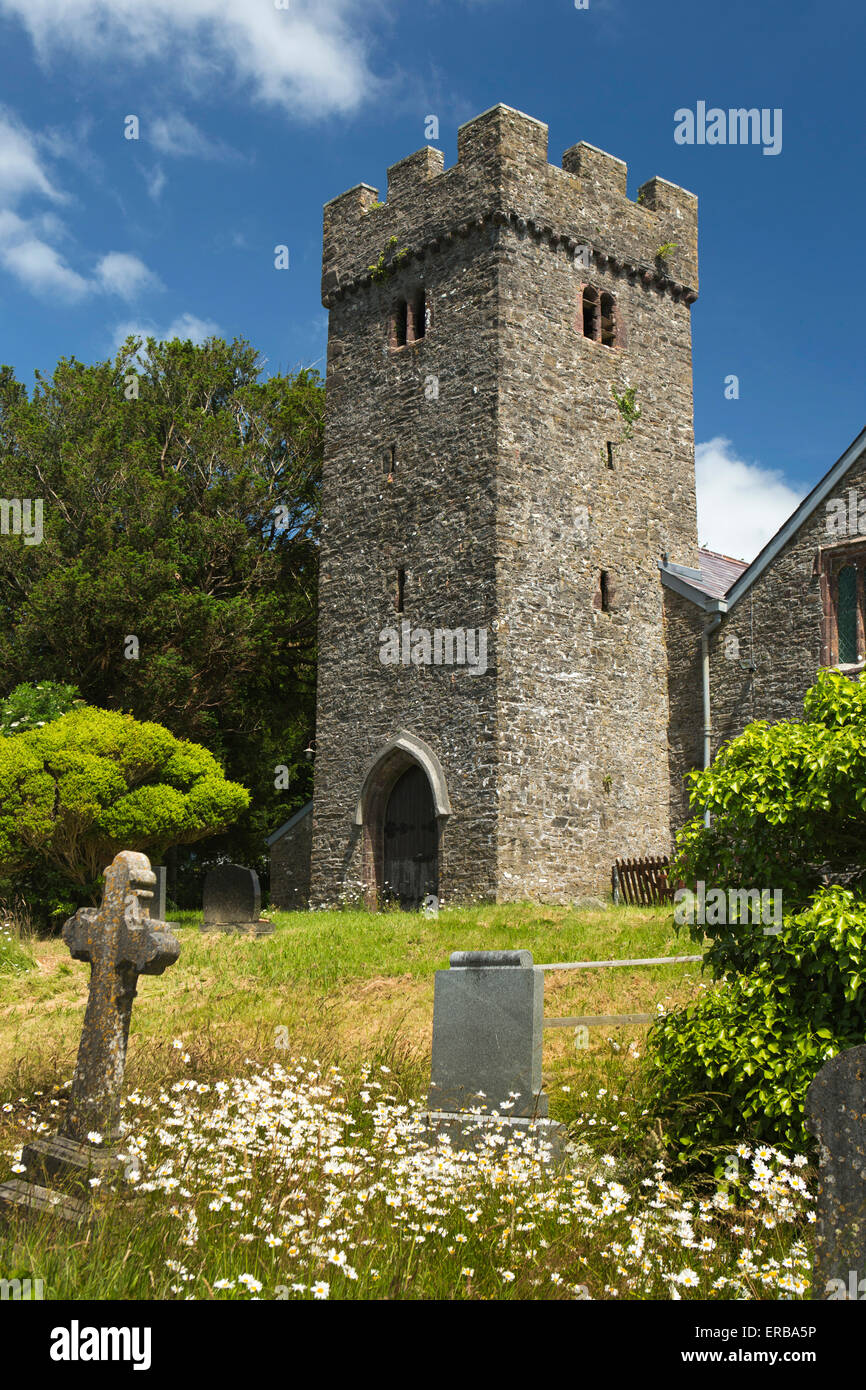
(710, 625)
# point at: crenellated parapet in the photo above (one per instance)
(502, 178)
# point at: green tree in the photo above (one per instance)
(181, 509)
(93, 782)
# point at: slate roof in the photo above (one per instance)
(719, 573)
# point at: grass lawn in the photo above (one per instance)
(240, 1152)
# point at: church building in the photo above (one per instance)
(522, 649)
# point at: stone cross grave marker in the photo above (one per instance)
(232, 901)
(836, 1115)
(121, 941)
(488, 1013)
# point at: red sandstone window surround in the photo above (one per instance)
(842, 571)
(410, 319)
(598, 316)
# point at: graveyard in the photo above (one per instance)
(272, 1147)
(600, 1101)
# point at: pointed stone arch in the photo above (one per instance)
(401, 753)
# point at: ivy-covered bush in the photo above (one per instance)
(787, 806)
(93, 782)
(740, 1060)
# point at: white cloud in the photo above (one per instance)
(29, 245)
(740, 505)
(124, 275)
(40, 268)
(35, 263)
(155, 181)
(308, 58)
(21, 170)
(183, 326)
(177, 137)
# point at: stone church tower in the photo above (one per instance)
(509, 455)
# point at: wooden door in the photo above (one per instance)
(411, 869)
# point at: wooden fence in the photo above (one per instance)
(642, 882)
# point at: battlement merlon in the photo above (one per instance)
(502, 173)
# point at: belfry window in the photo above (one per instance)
(410, 319)
(591, 314)
(598, 316)
(608, 320)
(419, 315)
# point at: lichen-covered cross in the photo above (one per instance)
(121, 942)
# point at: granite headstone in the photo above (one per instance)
(232, 901)
(488, 1013)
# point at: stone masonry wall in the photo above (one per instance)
(683, 626)
(433, 516)
(290, 866)
(583, 698)
(778, 624)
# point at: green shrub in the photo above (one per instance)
(32, 706)
(740, 1060)
(93, 782)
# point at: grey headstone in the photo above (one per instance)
(159, 892)
(836, 1115)
(233, 900)
(488, 1011)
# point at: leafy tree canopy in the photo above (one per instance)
(180, 496)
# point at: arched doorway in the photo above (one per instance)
(410, 841)
(414, 808)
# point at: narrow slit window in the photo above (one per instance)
(401, 590)
(605, 591)
(389, 459)
(609, 454)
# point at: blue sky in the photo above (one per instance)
(252, 116)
